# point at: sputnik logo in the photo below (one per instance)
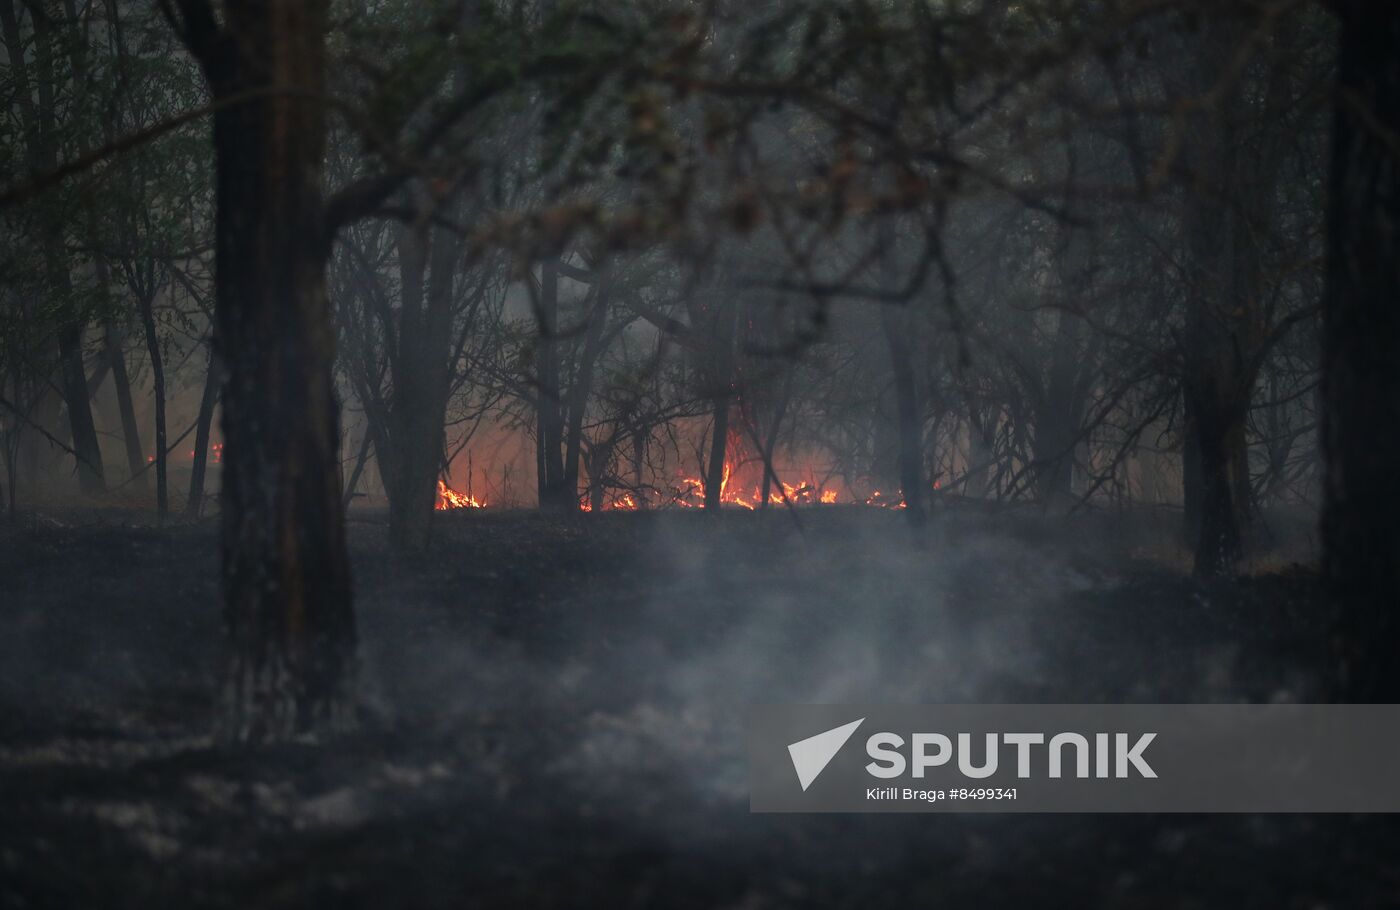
(810, 756)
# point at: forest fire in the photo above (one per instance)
(448, 498)
(978, 352)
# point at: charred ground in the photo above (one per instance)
(553, 714)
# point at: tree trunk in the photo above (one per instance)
(582, 386)
(895, 322)
(1190, 473)
(980, 451)
(194, 505)
(408, 431)
(418, 406)
(1223, 282)
(9, 443)
(1058, 414)
(554, 492)
(113, 340)
(91, 477)
(639, 450)
(722, 391)
(1361, 375)
(148, 324)
(598, 458)
(770, 440)
(1062, 399)
(1216, 434)
(719, 442)
(884, 422)
(353, 483)
(286, 577)
(121, 384)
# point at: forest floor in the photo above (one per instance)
(554, 708)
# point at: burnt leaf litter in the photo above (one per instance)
(552, 709)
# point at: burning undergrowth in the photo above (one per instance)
(749, 479)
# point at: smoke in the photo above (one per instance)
(625, 684)
(870, 617)
(598, 669)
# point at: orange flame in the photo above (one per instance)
(742, 482)
(690, 493)
(448, 498)
(623, 503)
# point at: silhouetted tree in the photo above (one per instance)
(1361, 338)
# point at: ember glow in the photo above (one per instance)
(216, 454)
(618, 502)
(885, 500)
